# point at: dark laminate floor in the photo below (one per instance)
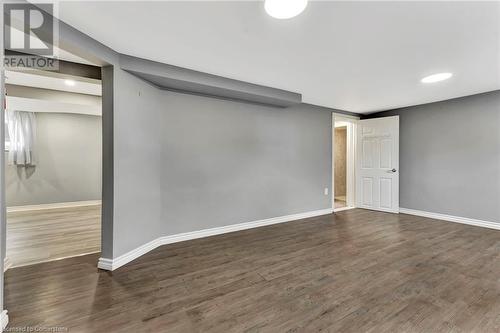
(358, 271)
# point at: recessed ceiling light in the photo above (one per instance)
(70, 83)
(436, 77)
(284, 9)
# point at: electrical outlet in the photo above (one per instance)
(326, 190)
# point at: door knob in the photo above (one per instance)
(394, 170)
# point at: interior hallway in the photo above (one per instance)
(340, 165)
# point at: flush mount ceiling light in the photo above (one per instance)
(436, 77)
(70, 83)
(284, 9)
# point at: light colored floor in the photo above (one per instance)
(36, 236)
(340, 202)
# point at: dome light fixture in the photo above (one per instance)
(436, 77)
(284, 9)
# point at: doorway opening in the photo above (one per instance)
(340, 193)
(53, 163)
(343, 162)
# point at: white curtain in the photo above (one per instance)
(22, 132)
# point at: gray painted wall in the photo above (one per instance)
(230, 162)
(3, 215)
(135, 163)
(450, 156)
(75, 42)
(135, 166)
(185, 163)
(68, 162)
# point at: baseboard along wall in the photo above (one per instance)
(112, 264)
(56, 205)
(451, 218)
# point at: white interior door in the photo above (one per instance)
(377, 164)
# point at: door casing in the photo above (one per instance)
(351, 160)
(377, 164)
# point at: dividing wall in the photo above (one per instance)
(187, 163)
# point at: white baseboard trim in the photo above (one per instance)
(342, 209)
(4, 319)
(450, 218)
(11, 265)
(53, 206)
(6, 264)
(112, 264)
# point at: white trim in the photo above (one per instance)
(112, 264)
(53, 259)
(49, 106)
(6, 264)
(342, 209)
(395, 131)
(53, 206)
(351, 165)
(332, 189)
(385, 210)
(4, 319)
(351, 159)
(451, 218)
(348, 116)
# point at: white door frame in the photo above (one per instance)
(351, 160)
(391, 124)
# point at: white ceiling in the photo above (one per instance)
(355, 56)
(82, 98)
(54, 81)
(50, 106)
